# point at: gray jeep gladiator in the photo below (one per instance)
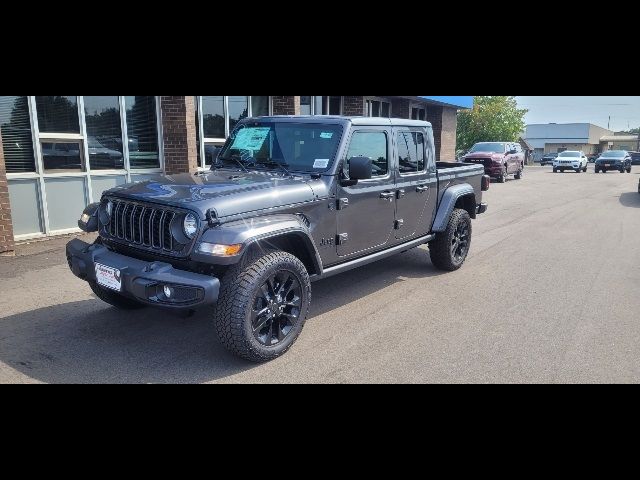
(287, 201)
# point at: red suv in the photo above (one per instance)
(500, 159)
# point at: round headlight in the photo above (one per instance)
(190, 225)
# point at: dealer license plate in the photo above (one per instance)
(108, 277)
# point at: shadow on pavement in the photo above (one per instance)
(91, 342)
(630, 199)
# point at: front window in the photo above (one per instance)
(373, 145)
(488, 148)
(615, 154)
(297, 147)
(569, 155)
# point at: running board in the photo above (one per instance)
(359, 262)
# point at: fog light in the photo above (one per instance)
(168, 291)
(219, 250)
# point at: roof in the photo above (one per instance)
(333, 119)
(527, 144)
(619, 138)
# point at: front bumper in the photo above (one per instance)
(494, 171)
(142, 280)
(611, 166)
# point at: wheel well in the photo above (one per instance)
(468, 203)
(295, 244)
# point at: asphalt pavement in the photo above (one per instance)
(549, 293)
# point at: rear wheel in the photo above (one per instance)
(114, 298)
(450, 248)
(263, 305)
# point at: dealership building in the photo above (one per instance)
(59, 153)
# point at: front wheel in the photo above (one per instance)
(555, 170)
(503, 176)
(263, 305)
(520, 173)
(585, 169)
(450, 248)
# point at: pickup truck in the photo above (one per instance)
(288, 200)
(500, 159)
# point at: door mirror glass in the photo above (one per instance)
(360, 168)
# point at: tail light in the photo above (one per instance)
(486, 182)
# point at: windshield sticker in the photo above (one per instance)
(250, 138)
(326, 135)
(321, 163)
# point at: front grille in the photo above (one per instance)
(145, 226)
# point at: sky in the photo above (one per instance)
(624, 111)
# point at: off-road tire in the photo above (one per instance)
(114, 298)
(440, 248)
(239, 292)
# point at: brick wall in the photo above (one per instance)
(353, 106)
(179, 134)
(286, 105)
(6, 226)
(400, 108)
(449, 126)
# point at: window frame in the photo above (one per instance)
(218, 142)
(424, 150)
(40, 175)
(368, 106)
(388, 134)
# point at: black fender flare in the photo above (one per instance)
(448, 204)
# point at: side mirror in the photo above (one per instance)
(359, 169)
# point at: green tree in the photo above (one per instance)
(492, 119)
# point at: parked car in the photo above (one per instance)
(614, 160)
(548, 158)
(500, 159)
(570, 160)
(289, 201)
(635, 158)
(593, 157)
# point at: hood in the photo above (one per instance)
(229, 193)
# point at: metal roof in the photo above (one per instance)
(619, 138)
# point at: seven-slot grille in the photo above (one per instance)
(144, 225)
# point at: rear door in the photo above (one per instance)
(415, 183)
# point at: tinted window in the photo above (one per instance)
(259, 106)
(58, 114)
(104, 133)
(61, 157)
(374, 146)
(488, 148)
(238, 109)
(16, 135)
(142, 131)
(213, 117)
(410, 152)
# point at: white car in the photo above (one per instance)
(570, 160)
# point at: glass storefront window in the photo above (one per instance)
(61, 156)
(16, 135)
(58, 114)
(238, 109)
(305, 105)
(142, 132)
(104, 133)
(259, 106)
(213, 123)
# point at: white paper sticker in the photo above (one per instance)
(326, 135)
(321, 163)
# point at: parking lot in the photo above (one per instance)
(549, 293)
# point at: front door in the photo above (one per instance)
(415, 184)
(366, 212)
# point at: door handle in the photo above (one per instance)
(422, 188)
(388, 196)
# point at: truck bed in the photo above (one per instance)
(454, 173)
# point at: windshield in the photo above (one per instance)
(614, 154)
(551, 155)
(488, 148)
(303, 147)
(569, 155)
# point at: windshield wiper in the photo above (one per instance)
(236, 158)
(273, 163)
